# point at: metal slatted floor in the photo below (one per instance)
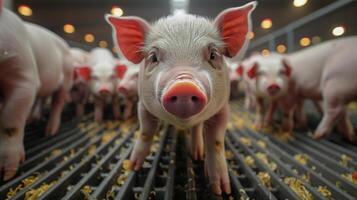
(89, 161)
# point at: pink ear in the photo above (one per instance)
(129, 34)
(239, 70)
(287, 68)
(234, 25)
(252, 72)
(83, 72)
(120, 70)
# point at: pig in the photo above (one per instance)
(102, 73)
(80, 89)
(55, 69)
(34, 63)
(19, 83)
(235, 77)
(322, 72)
(184, 79)
(128, 87)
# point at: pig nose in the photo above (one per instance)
(273, 89)
(104, 91)
(184, 99)
(122, 89)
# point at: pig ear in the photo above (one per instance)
(129, 35)
(82, 71)
(234, 24)
(252, 72)
(120, 70)
(240, 70)
(287, 67)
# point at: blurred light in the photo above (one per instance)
(338, 31)
(267, 23)
(116, 11)
(179, 11)
(251, 35)
(316, 40)
(299, 3)
(69, 28)
(281, 48)
(265, 52)
(89, 38)
(25, 10)
(103, 44)
(305, 41)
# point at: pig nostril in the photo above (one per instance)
(194, 98)
(174, 98)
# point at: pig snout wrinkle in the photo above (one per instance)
(184, 99)
(273, 89)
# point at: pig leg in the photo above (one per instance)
(128, 108)
(270, 114)
(79, 110)
(116, 107)
(332, 112)
(148, 128)
(259, 114)
(300, 114)
(288, 116)
(197, 147)
(57, 104)
(344, 126)
(16, 108)
(98, 110)
(215, 161)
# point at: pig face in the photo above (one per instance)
(128, 85)
(271, 74)
(184, 77)
(102, 79)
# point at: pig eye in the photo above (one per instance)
(153, 57)
(212, 56)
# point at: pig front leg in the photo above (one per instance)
(57, 104)
(16, 108)
(79, 110)
(345, 126)
(98, 110)
(215, 161)
(116, 107)
(128, 109)
(148, 128)
(196, 142)
(270, 114)
(259, 123)
(300, 114)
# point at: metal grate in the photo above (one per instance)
(88, 161)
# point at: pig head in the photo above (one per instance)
(183, 77)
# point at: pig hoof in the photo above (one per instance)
(318, 135)
(141, 150)
(218, 176)
(52, 127)
(351, 137)
(217, 188)
(10, 156)
(197, 154)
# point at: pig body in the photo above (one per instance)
(19, 83)
(80, 89)
(184, 79)
(128, 88)
(55, 69)
(322, 72)
(235, 78)
(103, 81)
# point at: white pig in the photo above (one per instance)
(19, 83)
(128, 88)
(55, 69)
(102, 82)
(80, 89)
(184, 80)
(322, 72)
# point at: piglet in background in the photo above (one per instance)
(128, 87)
(235, 78)
(80, 90)
(184, 79)
(102, 82)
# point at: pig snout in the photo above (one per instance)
(122, 89)
(273, 89)
(184, 99)
(104, 91)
